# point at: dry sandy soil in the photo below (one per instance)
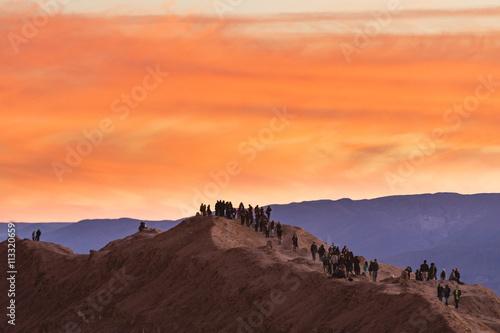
(210, 274)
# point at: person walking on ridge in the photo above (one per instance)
(446, 293)
(440, 291)
(424, 269)
(375, 270)
(314, 250)
(295, 241)
(456, 295)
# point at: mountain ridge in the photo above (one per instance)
(210, 274)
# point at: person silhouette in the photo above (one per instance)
(295, 241)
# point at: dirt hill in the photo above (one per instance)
(210, 274)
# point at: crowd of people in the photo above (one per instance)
(445, 292)
(142, 226)
(336, 263)
(343, 264)
(257, 217)
(428, 273)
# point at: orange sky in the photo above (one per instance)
(296, 113)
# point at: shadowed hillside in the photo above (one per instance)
(209, 274)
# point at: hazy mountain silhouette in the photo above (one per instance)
(86, 235)
(453, 230)
(24, 229)
(388, 226)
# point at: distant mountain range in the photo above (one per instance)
(85, 235)
(452, 230)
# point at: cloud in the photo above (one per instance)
(224, 80)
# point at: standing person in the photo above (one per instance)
(375, 270)
(326, 263)
(314, 250)
(443, 275)
(370, 269)
(456, 295)
(295, 241)
(366, 267)
(250, 213)
(33, 235)
(38, 234)
(348, 266)
(321, 252)
(408, 270)
(432, 271)
(440, 290)
(424, 270)
(267, 230)
(272, 229)
(268, 212)
(242, 214)
(209, 211)
(452, 275)
(142, 226)
(330, 264)
(335, 261)
(357, 269)
(446, 293)
(280, 235)
(457, 276)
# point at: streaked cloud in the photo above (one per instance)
(353, 122)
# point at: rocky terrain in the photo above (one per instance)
(210, 274)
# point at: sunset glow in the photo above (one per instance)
(109, 116)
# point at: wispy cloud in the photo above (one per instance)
(225, 77)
